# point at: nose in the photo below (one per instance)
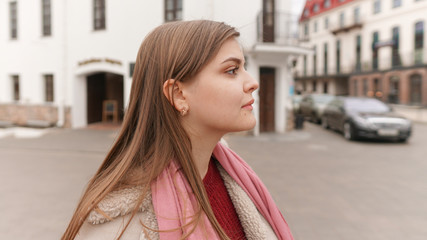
(250, 84)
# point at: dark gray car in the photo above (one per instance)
(362, 117)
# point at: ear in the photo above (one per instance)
(173, 91)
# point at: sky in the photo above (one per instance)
(297, 6)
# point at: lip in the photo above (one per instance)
(249, 105)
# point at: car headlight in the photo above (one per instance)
(364, 123)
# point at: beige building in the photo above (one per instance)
(365, 48)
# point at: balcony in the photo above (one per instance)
(277, 34)
(349, 24)
(278, 28)
(396, 61)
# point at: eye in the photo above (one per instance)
(233, 71)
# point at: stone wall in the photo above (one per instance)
(29, 115)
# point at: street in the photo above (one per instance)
(327, 188)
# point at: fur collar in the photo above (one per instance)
(119, 203)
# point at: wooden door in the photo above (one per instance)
(268, 18)
(266, 95)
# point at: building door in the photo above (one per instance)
(266, 95)
(268, 20)
(102, 87)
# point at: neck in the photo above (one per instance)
(203, 144)
(202, 149)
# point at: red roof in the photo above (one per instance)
(316, 7)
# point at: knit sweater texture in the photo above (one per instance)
(221, 204)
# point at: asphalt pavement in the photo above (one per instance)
(326, 187)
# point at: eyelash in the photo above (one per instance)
(233, 70)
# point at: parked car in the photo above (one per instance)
(362, 117)
(313, 105)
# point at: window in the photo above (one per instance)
(416, 89)
(315, 61)
(393, 95)
(377, 88)
(395, 57)
(316, 7)
(338, 56)
(355, 87)
(365, 87)
(306, 29)
(131, 69)
(314, 86)
(358, 53)
(325, 87)
(356, 15)
(46, 18)
(327, 3)
(325, 58)
(377, 6)
(342, 19)
(419, 42)
(13, 19)
(315, 26)
(305, 65)
(375, 39)
(306, 12)
(15, 87)
(99, 14)
(397, 3)
(326, 22)
(173, 10)
(48, 86)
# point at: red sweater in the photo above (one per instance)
(221, 204)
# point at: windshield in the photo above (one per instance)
(366, 105)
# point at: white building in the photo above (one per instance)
(61, 60)
(365, 48)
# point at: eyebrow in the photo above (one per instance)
(233, 59)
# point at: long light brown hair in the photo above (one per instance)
(151, 133)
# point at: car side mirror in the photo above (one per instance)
(341, 109)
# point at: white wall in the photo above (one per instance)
(73, 40)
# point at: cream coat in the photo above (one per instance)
(119, 204)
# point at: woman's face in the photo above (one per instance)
(220, 97)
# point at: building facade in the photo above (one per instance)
(365, 48)
(70, 63)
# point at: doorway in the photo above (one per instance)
(267, 97)
(102, 87)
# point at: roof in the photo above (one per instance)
(316, 7)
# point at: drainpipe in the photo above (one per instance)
(63, 90)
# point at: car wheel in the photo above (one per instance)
(325, 123)
(349, 131)
(402, 140)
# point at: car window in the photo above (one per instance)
(366, 105)
(323, 98)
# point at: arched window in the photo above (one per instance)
(415, 89)
(393, 94)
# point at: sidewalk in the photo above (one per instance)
(414, 113)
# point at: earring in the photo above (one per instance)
(183, 112)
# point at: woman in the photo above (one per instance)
(167, 176)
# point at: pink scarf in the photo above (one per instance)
(174, 203)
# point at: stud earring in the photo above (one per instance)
(183, 112)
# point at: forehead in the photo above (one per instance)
(231, 49)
